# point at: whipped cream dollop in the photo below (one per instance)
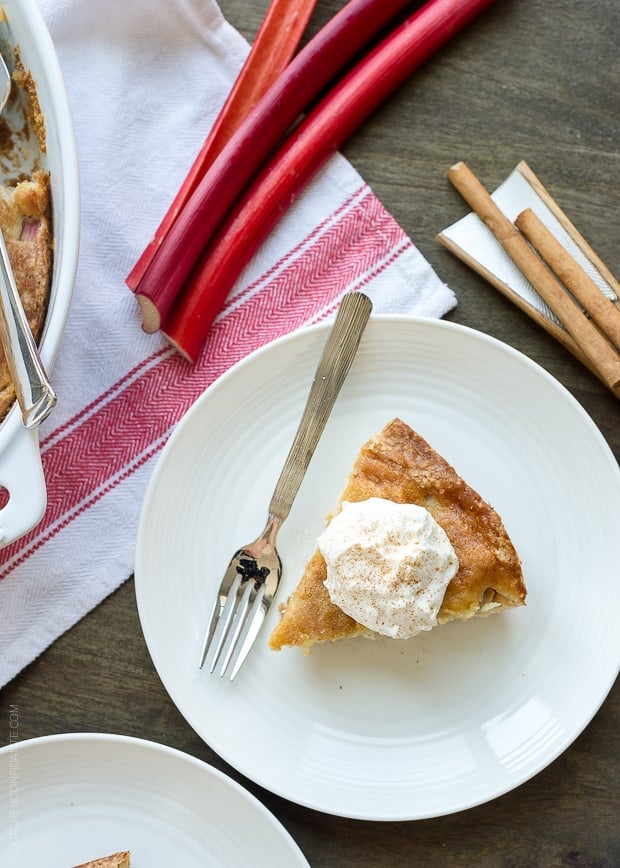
(388, 565)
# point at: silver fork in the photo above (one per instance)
(253, 574)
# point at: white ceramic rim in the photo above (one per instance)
(123, 748)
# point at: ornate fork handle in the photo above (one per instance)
(35, 394)
(333, 367)
(253, 575)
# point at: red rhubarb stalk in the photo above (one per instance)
(248, 149)
(274, 46)
(301, 156)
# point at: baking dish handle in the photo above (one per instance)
(21, 476)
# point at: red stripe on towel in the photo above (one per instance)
(129, 423)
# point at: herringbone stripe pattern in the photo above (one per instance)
(126, 426)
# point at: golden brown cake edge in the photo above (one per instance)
(475, 529)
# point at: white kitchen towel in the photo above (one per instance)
(146, 79)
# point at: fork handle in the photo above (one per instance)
(34, 392)
(334, 364)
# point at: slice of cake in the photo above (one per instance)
(116, 860)
(398, 465)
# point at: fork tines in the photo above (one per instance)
(236, 618)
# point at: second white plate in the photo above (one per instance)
(71, 798)
(389, 730)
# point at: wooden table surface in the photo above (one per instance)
(534, 80)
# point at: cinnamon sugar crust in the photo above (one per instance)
(116, 860)
(399, 465)
(23, 78)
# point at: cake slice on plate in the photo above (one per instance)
(116, 860)
(399, 466)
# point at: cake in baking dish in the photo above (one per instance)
(26, 226)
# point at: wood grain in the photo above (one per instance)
(534, 80)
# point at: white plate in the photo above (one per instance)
(385, 729)
(70, 798)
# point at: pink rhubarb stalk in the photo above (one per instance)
(302, 155)
(250, 146)
(274, 46)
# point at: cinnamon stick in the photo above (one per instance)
(571, 274)
(541, 191)
(551, 326)
(602, 356)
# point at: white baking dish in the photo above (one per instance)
(21, 472)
